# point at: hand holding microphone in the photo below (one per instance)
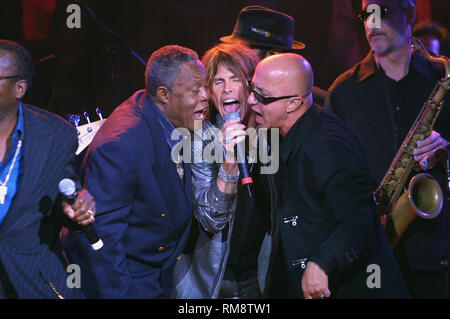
(80, 207)
(235, 140)
(233, 133)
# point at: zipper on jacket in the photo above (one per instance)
(301, 262)
(52, 287)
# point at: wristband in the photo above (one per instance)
(227, 177)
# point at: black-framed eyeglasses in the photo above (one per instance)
(363, 15)
(10, 77)
(265, 99)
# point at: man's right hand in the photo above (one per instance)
(315, 282)
(233, 133)
(82, 210)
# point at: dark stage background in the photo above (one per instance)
(74, 66)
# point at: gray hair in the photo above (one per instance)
(163, 66)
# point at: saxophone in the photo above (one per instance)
(423, 197)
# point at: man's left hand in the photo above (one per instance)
(315, 282)
(82, 210)
(429, 145)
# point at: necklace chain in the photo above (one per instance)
(19, 146)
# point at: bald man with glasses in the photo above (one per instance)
(327, 234)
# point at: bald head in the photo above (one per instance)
(290, 74)
(287, 80)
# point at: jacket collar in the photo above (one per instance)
(295, 136)
(160, 138)
(153, 116)
(35, 151)
(368, 66)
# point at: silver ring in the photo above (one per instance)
(322, 295)
(90, 215)
(227, 139)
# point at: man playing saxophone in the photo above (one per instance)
(379, 99)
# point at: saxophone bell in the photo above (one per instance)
(423, 198)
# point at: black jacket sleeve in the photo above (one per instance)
(340, 179)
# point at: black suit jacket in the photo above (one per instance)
(325, 188)
(29, 244)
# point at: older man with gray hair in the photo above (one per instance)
(145, 198)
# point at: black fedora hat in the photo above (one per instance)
(263, 27)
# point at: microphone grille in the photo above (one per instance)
(67, 187)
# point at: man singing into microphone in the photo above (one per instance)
(327, 233)
(225, 261)
(37, 150)
(143, 198)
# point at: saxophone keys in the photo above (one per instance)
(419, 138)
(404, 161)
(398, 172)
(392, 184)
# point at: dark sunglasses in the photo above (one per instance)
(363, 15)
(10, 77)
(265, 99)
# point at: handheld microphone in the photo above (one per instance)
(246, 179)
(431, 160)
(68, 190)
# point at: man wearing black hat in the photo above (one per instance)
(264, 30)
(268, 32)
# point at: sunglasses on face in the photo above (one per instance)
(385, 12)
(265, 99)
(10, 77)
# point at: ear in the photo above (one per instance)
(20, 88)
(163, 94)
(294, 104)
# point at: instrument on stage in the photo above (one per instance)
(86, 132)
(423, 197)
